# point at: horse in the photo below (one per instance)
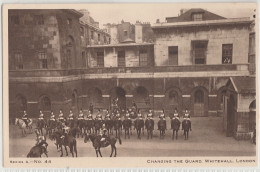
(22, 125)
(81, 124)
(89, 126)
(139, 125)
(97, 125)
(57, 137)
(149, 125)
(97, 143)
(37, 151)
(162, 127)
(117, 127)
(127, 125)
(51, 126)
(109, 126)
(40, 124)
(175, 126)
(66, 140)
(186, 126)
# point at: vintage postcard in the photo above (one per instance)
(130, 85)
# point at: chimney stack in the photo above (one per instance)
(138, 33)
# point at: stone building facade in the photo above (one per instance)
(187, 64)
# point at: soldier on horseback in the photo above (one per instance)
(81, 115)
(139, 115)
(118, 115)
(41, 116)
(150, 114)
(52, 118)
(25, 118)
(103, 133)
(186, 115)
(61, 117)
(175, 114)
(90, 117)
(162, 116)
(127, 115)
(107, 115)
(99, 115)
(71, 116)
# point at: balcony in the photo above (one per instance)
(128, 70)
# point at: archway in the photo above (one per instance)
(200, 101)
(252, 116)
(141, 98)
(230, 116)
(45, 104)
(173, 99)
(20, 103)
(95, 97)
(119, 93)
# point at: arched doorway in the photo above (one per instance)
(141, 98)
(45, 104)
(252, 116)
(95, 97)
(173, 99)
(199, 103)
(74, 99)
(230, 116)
(20, 103)
(119, 93)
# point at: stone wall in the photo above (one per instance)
(238, 35)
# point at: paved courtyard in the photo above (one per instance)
(206, 139)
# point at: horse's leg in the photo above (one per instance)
(151, 134)
(99, 152)
(71, 150)
(115, 150)
(112, 151)
(61, 150)
(128, 133)
(147, 134)
(176, 134)
(187, 134)
(66, 150)
(125, 133)
(173, 134)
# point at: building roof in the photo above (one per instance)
(187, 16)
(244, 84)
(120, 45)
(245, 20)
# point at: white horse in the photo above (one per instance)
(22, 125)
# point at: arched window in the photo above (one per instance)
(45, 104)
(173, 97)
(199, 96)
(70, 41)
(74, 99)
(141, 96)
(21, 103)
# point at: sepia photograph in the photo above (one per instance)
(131, 80)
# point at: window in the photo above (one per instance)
(81, 31)
(68, 59)
(125, 32)
(121, 58)
(18, 58)
(100, 59)
(39, 19)
(173, 55)
(45, 104)
(173, 97)
(14, 19)
(43, 60)
(199, 52)
(69, 21)
(83, 59)
(92, 35)
(197, 17)
(143, 57)
(105, 39)
(98, 37)
(227, 53)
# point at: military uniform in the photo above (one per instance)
(90, 117)
(81, 115)
(150, 115)
(25, 118)
(162, 116)
(61, 117)
(127, 116)
(139, 115)
(41, 116)
(103, 133)
(176, 115)
(71, 116)
(99, 116)
(52, 117)
(186, 115)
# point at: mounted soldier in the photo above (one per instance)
(103, 134)
(71, 116)
(127, 115)
(61, 117)
(162, 116)
(41, 116)
(99, 116)
(139, 115)
(118, 115)
(81, 115)
(25, 118)
(186, 115)
(90, 117)
(176, 114)
(107, 115)
(150, 114)
(52, 118)
(91, 108)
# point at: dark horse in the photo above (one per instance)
(109, 126)
(175, 126)
(89, 126)
(127, 125)
(81, 124)
(139, 125)
(186, 126)
(162, 127)
(37, 151)
(118, 127)
(97, 143)
(149, 125)
(51, 126)
(40, 125)
(97, 125)
(66, 140)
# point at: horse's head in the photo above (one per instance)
(16, 121)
